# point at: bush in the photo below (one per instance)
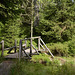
(42, 58)
(29, 68)
(58, 48)
(71, 46)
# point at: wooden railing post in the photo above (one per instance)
(30, 46)
(39, 43)
(15, 46)
(20, 50)
(2, 53)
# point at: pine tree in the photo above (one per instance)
(57, 20)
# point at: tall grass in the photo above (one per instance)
(34, 67)
(28, 68)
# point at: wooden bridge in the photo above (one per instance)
(25, 51)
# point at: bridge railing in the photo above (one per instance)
(10, 48)
(41, 44)
(2, 48)
(31, 45)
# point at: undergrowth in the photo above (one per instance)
(29, 68)
(35, 66)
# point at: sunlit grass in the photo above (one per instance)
(5, 53)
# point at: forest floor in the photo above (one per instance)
(5, 67)
(12, 66)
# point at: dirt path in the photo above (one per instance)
(5, 67)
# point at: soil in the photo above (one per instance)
(5, 67)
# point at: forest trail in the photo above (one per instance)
(5, 67)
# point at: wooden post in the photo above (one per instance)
(31, 26)
(20, 50)
(39, 43)
(30, 46)
(2, 48)
(15, 46)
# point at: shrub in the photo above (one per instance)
(58, 48)
(71, 46)
(29, 68)
(42, 58)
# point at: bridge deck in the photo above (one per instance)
(16, 55)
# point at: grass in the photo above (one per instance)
(29, 68)
(34, 67)
(5, 53)
(2, 58)
(70, 60)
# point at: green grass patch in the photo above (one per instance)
(43, 65)
(30, 68)
(1, 59)
(5, 53)
(70, 60)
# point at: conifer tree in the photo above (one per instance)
(57, 20)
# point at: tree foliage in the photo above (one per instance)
(54, 23)
(57, 20)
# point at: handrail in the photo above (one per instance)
(46, 47)
(42, 46)
(31, 45)
(9, 48)
(2, 42)
(31, 38)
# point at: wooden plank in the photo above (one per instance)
(14, 55)
(39, 43)
(42, 46)
(46, 47)
(35, 37)
(31, 38)
(9, 48)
